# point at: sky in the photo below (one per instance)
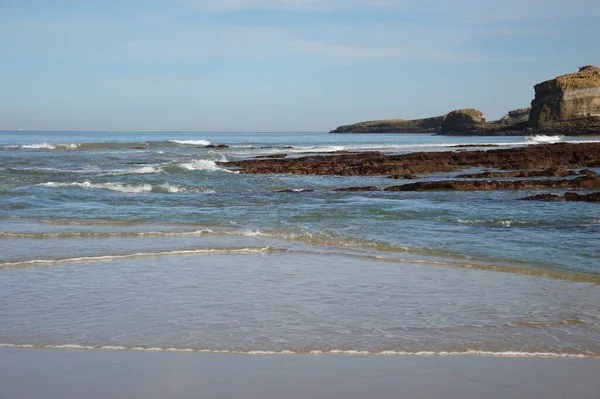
(279, 65)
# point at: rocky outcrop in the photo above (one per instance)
(357, 189)
(569, 103)
(463, 121)
(534, 157)
(427, 125)
(592, 197)
(486, 185)
(514, 117)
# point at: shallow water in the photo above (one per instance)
(139, 240)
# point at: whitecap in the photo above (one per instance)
(191, 142)
(542, 139)
(203, 164)
(119, 187)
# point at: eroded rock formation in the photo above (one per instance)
(568, 102)
(463, 121)
(427, 125)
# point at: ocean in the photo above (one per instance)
(142, 242)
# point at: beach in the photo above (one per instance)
(154, 265)
(65, 374)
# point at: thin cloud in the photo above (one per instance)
(238, 5)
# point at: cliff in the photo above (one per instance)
(427, 125)
(566, 105)
(569, 103)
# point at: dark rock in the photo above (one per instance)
(569, 196)
(593, 197)
(367, 188)
(485, 185)
(219, 146)
(543, 197)
(405, 177)
(276, 156)
(552, 172)
(587, 172)
(544, 156)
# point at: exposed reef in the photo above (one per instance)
(566, 105)
(486, 185)
(592, 197)
(534, 157)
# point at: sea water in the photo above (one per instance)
(142, 241)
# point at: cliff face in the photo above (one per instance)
(568, 102)
(427, 125)
(567, 105)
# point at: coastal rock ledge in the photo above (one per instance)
(566, 105)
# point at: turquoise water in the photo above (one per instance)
(141, 240)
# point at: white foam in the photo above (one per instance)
(191, 142)
(337, 352)
(146, 170)
(47, 146)
(541, 139)
(119, 187)
(170, 188)
(204, 164)
(217, 251)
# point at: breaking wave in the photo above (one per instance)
(339, 352)
(542, 139)
(128, 189)
(204, 164)
(46, 146)
(101, 258)
(191, 142)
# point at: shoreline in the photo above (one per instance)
(76, 374)
(314, 353)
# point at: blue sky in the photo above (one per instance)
(279, 65)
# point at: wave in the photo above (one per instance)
(138, 171)
(203, 143)
(128, 189)
(343, 352)
(119, 187)
(204, 164)
(101, 258)
(497, 222)
(45, 146)
(542, 139)
(96, 234)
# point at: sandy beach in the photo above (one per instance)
(65, 374)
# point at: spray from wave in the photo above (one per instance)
(203, 143)
(542, 139)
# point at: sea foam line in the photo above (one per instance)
(99, 234)
(191, 142)
(338, 352)
(212, 251)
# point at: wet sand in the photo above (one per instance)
(65, 374)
